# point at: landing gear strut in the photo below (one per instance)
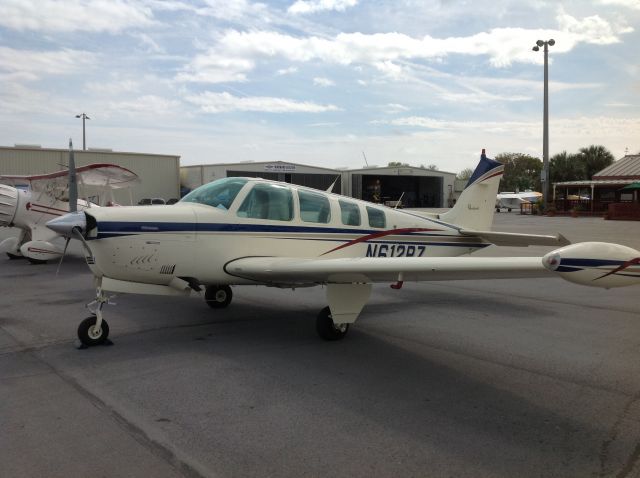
(94, 330)
(218, 296)
(327, 329)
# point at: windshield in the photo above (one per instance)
(220, 193)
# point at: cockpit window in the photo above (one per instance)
(268, 201)
(220, 193)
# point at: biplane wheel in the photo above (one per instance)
(327, 329)
(497, 209)
(218, 296)
(15, 256)
(508, 209)
(36, 261)
(88, 334)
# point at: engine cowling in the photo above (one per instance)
(40, 250)
(8, 204)
(597, 264)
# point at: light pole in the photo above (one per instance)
(545, 121)
(84, 138)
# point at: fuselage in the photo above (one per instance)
(197, 240)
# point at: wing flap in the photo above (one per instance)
(292, 270)
(518, 240)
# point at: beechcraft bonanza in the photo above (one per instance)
(510, 200)
(238, 231)
(37, 199)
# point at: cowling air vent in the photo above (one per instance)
(167, 269)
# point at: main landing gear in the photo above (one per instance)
(327, 329)
(94, 330)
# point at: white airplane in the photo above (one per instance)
(38, 198)
(511, 200)
(237, 231)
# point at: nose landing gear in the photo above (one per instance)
(94, 330)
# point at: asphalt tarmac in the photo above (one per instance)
(500, 378)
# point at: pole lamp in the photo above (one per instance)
(545, 121)
(84, 138)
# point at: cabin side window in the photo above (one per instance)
(268, 201)
(314, 207)
(376, 217)
(350, 213)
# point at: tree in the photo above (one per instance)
(521, 172)
(395, 164)
(465, 174)
(566, 167)
(595, 158)
(432, 167)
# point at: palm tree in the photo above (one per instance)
(566, 167)
(595, 158)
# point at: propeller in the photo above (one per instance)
(73, 197)
(73, 183)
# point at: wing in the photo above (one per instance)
(108, 175)
(293, 270)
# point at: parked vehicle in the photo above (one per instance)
(150, 201)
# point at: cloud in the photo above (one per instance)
(33, 64)
(287, 71)
(151, 105)
(210, 102)
(74, 15)
(634, 4)
(302, 7)
(323, 82)
(236, 53)
(213, 68)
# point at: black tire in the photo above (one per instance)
(218, 296)
(327, 329)
(508, 209)
(36, 261)
(87, 335)
(15, 256)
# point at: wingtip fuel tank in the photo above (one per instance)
(597, 264)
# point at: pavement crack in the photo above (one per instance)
(613, 435)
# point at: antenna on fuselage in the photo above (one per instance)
(330, 188)
(399, 201)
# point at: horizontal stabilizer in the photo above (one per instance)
(518, 240)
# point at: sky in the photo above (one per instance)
(330, 83)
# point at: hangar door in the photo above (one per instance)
(419, 191)
(316, 181)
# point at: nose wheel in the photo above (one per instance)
(218, 296)
(94, 330)
(90, 333)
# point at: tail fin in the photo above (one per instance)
(474, 209)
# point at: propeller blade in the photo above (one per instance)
(73, 183)
(66, 244)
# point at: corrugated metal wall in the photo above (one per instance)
(159, 174)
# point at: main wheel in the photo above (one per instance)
(509, 209)
(14, 256)
(218, 296)
(327, 329)
(36, 261)
(89, 335)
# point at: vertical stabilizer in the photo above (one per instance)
(474, 209)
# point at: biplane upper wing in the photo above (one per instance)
(101, 175)
(295, 270)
